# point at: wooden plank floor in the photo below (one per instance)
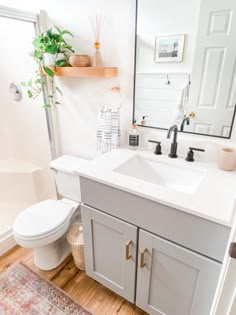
(89, 293)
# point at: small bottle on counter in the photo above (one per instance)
(134, 137)
(143, 121)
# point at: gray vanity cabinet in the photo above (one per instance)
(110, 251)
(172, 280)
(181, 253)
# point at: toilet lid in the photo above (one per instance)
(42, 218)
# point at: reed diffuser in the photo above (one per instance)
(97, 24)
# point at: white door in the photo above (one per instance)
(173, 280)
(213, 82)
(110, 251)
(226, 299)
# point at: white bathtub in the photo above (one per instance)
(20, 184)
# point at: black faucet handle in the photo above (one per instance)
(158, 147)
(190, 155)
(196, 149)
(153, 141)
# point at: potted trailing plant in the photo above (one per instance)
(50, 43)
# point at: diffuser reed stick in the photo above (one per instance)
(97, 25)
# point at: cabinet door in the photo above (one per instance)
(110, 251)
(173, 280)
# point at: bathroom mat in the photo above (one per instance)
(24, 292)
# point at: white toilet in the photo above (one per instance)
(44, 225)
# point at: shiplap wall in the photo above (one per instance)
(158, 100)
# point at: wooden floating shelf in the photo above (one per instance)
(95, 72)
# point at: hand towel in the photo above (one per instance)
(181, 109)
(108, 129)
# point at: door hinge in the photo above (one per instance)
(232, 250)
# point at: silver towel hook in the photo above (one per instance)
(167, 80)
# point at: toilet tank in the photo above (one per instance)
(67, 182)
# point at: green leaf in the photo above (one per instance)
(30, 83)
(30, 94)
(46, 106)
(57, 88)
(66, 32)
(23, 84)
(58, 29)
(37, 41)
(49, 33)
(39, 81)
(48, 71)
(50, 96)
(69, 47)
(57, 103)
(61, 62)
(37, 54)
(52, 49)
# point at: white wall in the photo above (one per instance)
(4, 130)
(78, 114)
(157, 18)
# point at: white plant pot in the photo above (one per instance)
(50, 60)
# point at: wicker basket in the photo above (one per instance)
(76, 245)
(79, 60)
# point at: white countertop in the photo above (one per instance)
(213, 200)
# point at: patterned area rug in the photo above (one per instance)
(24, 292)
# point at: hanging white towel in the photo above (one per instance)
(181, 109)
(108, 129)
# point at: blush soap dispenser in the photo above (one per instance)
(134, 137)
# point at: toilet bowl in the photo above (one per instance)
(44, 225)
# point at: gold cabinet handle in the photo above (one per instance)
(127, 255)
(142, 263)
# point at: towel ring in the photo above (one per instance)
(114, 89)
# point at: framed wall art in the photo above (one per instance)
(169, 48)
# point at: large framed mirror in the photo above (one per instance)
(185, 65)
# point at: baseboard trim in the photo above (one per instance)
(7, 242)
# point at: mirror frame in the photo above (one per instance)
(134, 91)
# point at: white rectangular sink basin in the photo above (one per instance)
(179, 178)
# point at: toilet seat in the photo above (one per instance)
(44, 222)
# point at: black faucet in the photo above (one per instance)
(185, 120)
(158, 147)
(174, 144)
